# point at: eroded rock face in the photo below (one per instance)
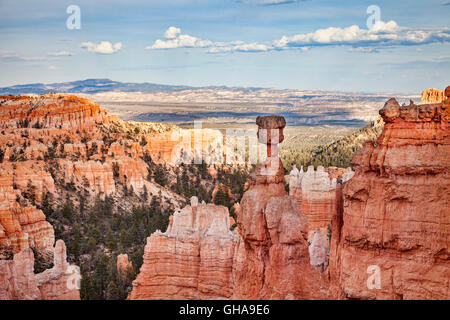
(50, 111)
(193, 259)
(21, 227)
(19, 282)
(395, 216)
(315, 192)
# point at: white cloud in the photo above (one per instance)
(60, 54)
(382, 35)
(52, 67)
(104, 47)
(172, 32)
(178, 40)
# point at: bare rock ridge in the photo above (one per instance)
(66, 112)
(19, 282)
(198, 257)
(395, 220)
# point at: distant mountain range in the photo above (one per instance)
(91, 86)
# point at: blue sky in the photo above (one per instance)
(311, 44)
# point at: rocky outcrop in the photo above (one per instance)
(193, 259)
(391, 233)
(19, 282)
(432, 96)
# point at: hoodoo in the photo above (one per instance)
(272, 258)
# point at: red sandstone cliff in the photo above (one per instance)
(394, 223)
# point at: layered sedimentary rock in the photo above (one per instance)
(19, 282)
(21, 227)
(193, 259)
(50, 111)
(185, 145)
(97, 177)
(391, 233)
(315, 192)
(90, 145)
(432, 96)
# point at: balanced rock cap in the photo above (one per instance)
(271, 122)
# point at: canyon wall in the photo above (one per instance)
(391, 232)
(390, 222)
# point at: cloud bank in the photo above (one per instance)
(382, 35)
